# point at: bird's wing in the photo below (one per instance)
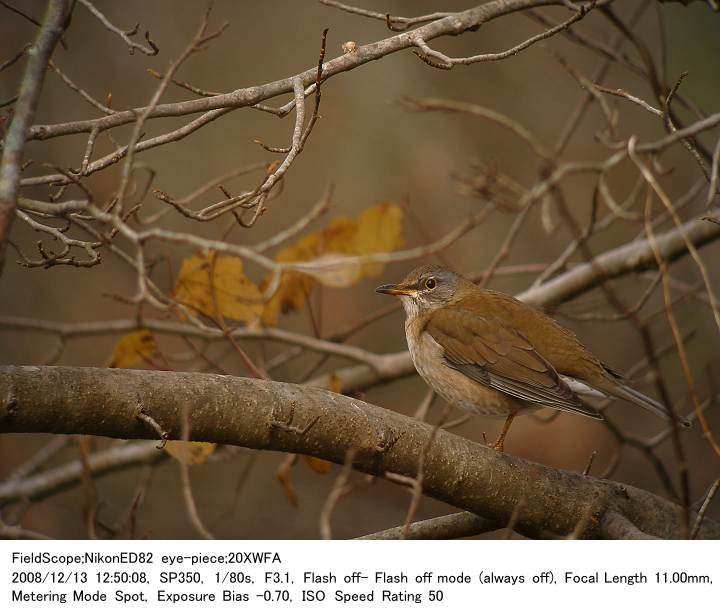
(495, 355)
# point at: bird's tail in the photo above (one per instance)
(620, 390)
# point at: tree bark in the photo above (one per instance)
(296, 418)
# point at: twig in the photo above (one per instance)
(439, 104)
(89, 489)
(122, 151)
(590, 461)
(54, 22)
(199, 39)
(417, 483)
(75, 88)
(319, 209)
(446, 62)
(666, 290)
(453, 526)
(703, 509)
(17, 532)
(190, 504)
(10, 61)
(453, 24)
(46, 483)
(615, 526)
(340, 489)
(63, 257)
(150, 50)
(714, 176)
(634, 99)
(393, 22)
(150, 421)
(37, 459)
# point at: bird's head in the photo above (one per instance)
(426, 288)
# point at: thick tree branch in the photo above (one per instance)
(271, 416)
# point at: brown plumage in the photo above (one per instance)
(487, 352)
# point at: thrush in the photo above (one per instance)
(486, 352)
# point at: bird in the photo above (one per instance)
(488, 353)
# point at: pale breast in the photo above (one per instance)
(453, 386)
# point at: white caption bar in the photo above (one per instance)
(297, 577)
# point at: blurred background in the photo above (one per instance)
(371, 150)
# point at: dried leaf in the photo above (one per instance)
(379, 230)
(133, 348)
(231, 292)
(322, 467)
(339, 236)
(190, 452)
(294, 287)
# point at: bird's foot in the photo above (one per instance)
(499, 444)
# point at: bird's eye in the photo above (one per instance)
(430, 283)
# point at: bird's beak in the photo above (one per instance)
(395, 289)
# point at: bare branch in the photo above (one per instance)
(453, 24)
(615, 526)
(46, 483)
(57, 14)
(453, 526)
(67, 400)
(395, 23)
(437, 104)
(150, 50)
(703, 509)
(440, 60)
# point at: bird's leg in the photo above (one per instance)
(499, 444)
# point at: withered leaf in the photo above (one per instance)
(230, 292)
(378, 229)
(190, 452)
(133, 348)
(322, 467)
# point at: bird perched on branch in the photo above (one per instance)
(489, 353)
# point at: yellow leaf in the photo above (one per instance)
(133, 348)
(294, 287)
(338, 236)
(323, 467)
(190, 452)
(289, 296)
(379, 230)
(230, 293)
(337, 277)
(336, 240)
